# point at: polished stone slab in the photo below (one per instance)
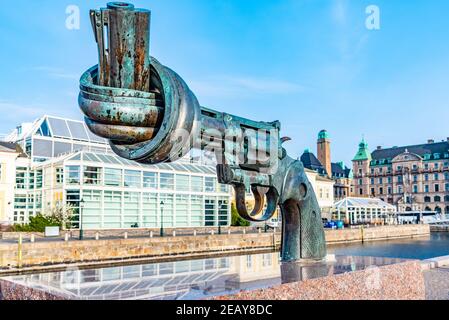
(260, 276)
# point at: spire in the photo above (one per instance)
(323, 135)
(363, 152)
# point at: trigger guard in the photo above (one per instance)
(256, 215)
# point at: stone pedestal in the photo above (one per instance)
(252, 277)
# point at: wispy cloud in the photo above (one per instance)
(13, 110)
(339, 12)
(242, 86)
(56, 73)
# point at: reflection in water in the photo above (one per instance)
(189, 280)
(435, 245)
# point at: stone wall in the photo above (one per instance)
(376, 233)
(403, 281)
(59, 252)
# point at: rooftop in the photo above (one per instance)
(51, 126)
(422, 149)
(363, 203)
(112, 159)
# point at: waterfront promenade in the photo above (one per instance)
(57, 253)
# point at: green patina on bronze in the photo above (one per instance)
(145, 109)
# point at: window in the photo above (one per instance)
(400, 189)
(73, 199)
(196, 211)
(167, 181)
(112, 177)
(426, 166)
(415, 167)
(427, 199)
(59, 175)
(400, 179)
(360, 182)
(197, 184)
(150, 180)
(415, 178)
(182, 182)
(73, 174)
(415, 189)
(21, 173)
(381, 181)
(361, 192)
(446, 187)
(426, 188)
(436, 165)
(437, 188)
(210, 184)
(446, 176)
(224, 188)
(91, 208)
(249, 262)
(39, 179)
(149, 210)
(390, 180)
(426, 177)
(372, 171)
(372, 181)
(209, 212)
(132, 179)
(437, 199)
(92, 175)
(112, 209)
(373, 192)
(389, 190)
(131, 206)
(436, 176)
(381, 190)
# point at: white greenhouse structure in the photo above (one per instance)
(364, 210)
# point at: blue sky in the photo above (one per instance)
(311, 64)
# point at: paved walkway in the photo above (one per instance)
(437, 284)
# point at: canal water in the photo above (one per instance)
(207, 278)
(435, 245)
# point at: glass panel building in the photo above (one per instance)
(113, 193)
(68, 165)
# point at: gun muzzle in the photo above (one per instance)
(143, 108)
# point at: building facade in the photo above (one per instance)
(10, 156)
(324, 190)
(413, 178)
(338, 172)
(104, 190)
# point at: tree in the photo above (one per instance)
(236, 220)
(58, 216)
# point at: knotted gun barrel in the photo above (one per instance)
(149, 115)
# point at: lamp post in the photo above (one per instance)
(81, 219)
(162, 218)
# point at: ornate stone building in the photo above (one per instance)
(414, 178)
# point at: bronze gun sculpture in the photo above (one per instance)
(149, 115)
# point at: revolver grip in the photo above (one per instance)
(303, 232)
